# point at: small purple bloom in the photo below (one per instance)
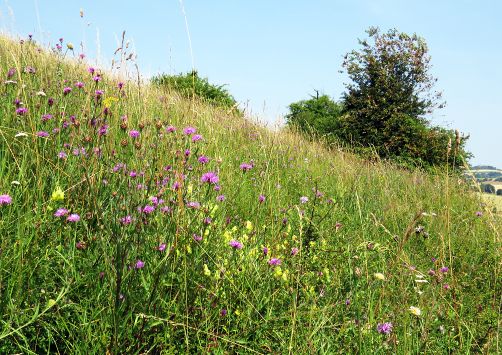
(21, 111)
(139, 264)
(220, 198)
(66, 90)
(265, 251)
(120, 85)
(294, 251)
(42, 134)
(5, 200)
(446, 286)
(97, 78)
(304, 199)
(126, 220)
(274, 262)
(235, 244)
(46, 117)
(223, 312)
(98, 93)
(444, 269)
(148, 209)
(134, 134)
(197, 237)
(203, 159)
(210, 178)
(193, 204)
(196, 137)
(73, 218)
(189, 131)
(62, 155)
(384, 328)
(261, 198)
(431, 272)
(207, 220)
(103, 130)
(162, 247)
(245, 167)
(479, 214)
(60, 212)
(79, 84)
(170, 129)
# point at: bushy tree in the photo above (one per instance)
(191, 83)
(318, 115)
(488, 188)
(390, 94)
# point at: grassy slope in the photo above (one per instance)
(57, 297)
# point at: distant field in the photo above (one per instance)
(494, 200)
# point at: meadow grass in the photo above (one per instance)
(135, 221)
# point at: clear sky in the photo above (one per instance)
(272, 53)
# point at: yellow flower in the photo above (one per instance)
(69, 45)
(249, 226)
(379, 276)
(207, 272)
(57, 194)
(415, 311)
(109, 101)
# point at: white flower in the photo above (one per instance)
(415, 311)
(379, 276)
(21, 134)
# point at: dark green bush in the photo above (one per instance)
(191, 84)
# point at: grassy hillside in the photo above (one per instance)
(135, 221)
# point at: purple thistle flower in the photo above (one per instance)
(73, 218)
(203, 159)
(304, 199)
(274, 262)
(217, 187)
(66, 90)
(60, 212)
(126, 220)
(265, 251)
(170, 129)
(46, 117)
(148, 209)
(193, 204)
(62, 155)
(187, 152)
(446, 286)
(162, 247)
(11, 72)
(294, 251)
(479, 214)
(134, 134)
(80, 245)
(431, 272)
(120, 85)
(21, 111)
(245, 167)
(5, 200)
(91, 70)
(79, 84)
(210, 178)
(235, 244)
(196, 137)
(223, 312)
(98, 93)
(384, 328)
(197, 237)
(50, 101)
(207, 220)
(103, 130)
(189, 131)
(97, 78)
(139, 264)
(42, 134)
(261, 198)
(220, 198)
(444, 269)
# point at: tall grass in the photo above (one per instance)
(287, 247)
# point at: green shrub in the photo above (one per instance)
(191, 84)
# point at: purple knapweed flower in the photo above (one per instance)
(79, 84)
(91, 70)
(139, 264)
(97, 78)
(187, 152)
(197, 237)
(245, 167)
(294, 251)
(50, 101)
(80, 245)
(103, 130)
(42, 134)
(446, 286)
(444, 269)
(21, 111)
(274, 262)
(431, 272)
(66, 90)
(220, 198)
(170, 129)
(384, 328)
(193, 204)
(210, 178)
(11, 72)
(223, 312)
(62, 155)
(46, 117)
(162, 247)
(304, 199)
(203, 159)
(265, 251)
(120, 85)
(261, 198)
(479, 214)
(5, 200)
(207, 220)
(126, 220)
(189, 131)
(73, 218)
(134, 134)
(148, 209)
(235, 244)
(217, 188)
(98, 93)
(196, 137)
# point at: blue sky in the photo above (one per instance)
(272, 53)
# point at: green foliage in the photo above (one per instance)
(318, 115)
(488, 188)
(391, 93)
(191, 83)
